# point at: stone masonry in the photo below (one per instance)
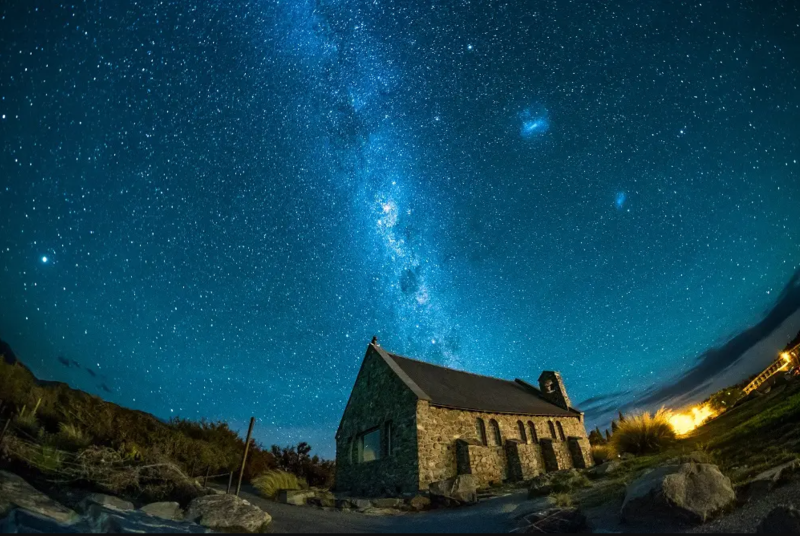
(422, 442)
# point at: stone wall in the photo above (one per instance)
(580, 452)
(379, 397)
(438, 430)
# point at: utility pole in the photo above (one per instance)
(244, 457)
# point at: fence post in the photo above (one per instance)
(230, 483)
(244, 457)
(205, 478)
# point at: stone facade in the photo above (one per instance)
(440, 429)
(421, 442)
(379, 398)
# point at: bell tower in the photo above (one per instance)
(553, 389)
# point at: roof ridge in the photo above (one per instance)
(513, 382)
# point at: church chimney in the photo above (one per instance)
(553, 389)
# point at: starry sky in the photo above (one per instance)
(207, 209)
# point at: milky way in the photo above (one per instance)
(208, 210)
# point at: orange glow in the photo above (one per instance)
(685, 421)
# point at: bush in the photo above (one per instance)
(268, 484)
(71, 438)
(644, 433)
(602, 453)
(568, 481)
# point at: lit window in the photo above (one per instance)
(370, 446)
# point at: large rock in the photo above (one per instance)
(766, 481)
(165, 510)
(16, 494)
(227, 513)
(457, 491)
(112, 521)
(106, 501)
(694, 492)
(296, 497)
(781, 520)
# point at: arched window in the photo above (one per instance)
(561, 431)
(534, 436)
(522, 435)
(552, 430)
(498, 439)
(481, 431)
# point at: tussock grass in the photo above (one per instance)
(603, 453)
(268, 484)
(644, 433)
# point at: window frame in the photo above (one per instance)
(360, 445)
(561, 433)
(552, 430)
(533, 433)
(522, 434)
(482, 437)
(498, 437)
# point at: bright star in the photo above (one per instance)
(44, 260)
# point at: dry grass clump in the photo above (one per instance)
(602, 453)
(644, 433)
(268, 484)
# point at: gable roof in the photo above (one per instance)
(451, 388)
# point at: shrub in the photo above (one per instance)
(568, 481)
(46, 459)
(602, 453)
(563, 500)
(27, 424)
(268, 484)
(643, 433)
(71, 438)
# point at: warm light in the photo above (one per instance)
(686, 421)
(786, 357)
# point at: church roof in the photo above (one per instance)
(451, 388)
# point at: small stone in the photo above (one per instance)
(419, 503)
(294, 496)
(361, 503)
(766, 481)
(386, 503)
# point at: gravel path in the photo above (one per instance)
(495, 515)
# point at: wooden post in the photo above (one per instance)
(244, 457)
(205, 478)
(230, 483)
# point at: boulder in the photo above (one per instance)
(322, 502)
(106, 501)
(692, 492)
(297, 497)
(556, 521)
(227, 513)
(164, 510)
(457, 491)
(109, 520)
(387, 503)
(16, 494)
(766, 481)
(372, 511)
(419, 503)
(781, 520)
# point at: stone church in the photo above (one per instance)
(409, 423)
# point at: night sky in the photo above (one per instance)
(208, 209)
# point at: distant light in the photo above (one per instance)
(44, 260)
(469, 47)
(786, 357)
